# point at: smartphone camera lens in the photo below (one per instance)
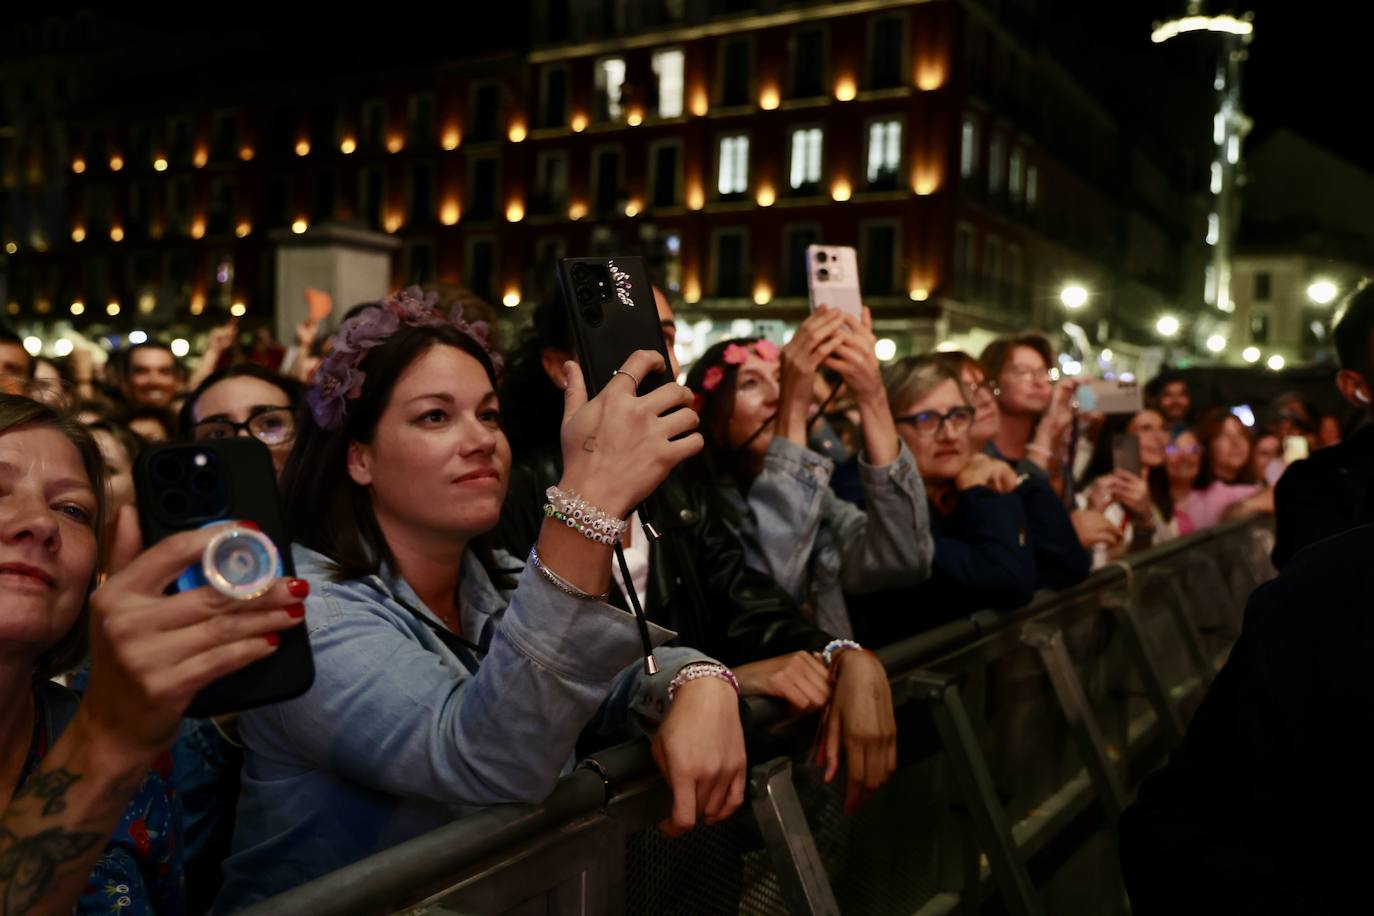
(823, 274)
(822, 257)
(174, 503)
(168, 468)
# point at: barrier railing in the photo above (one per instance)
(1021, 738)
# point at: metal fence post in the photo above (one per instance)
(801, 873)
(975, 780)
(1170, 723)
(1188, 633)
(1048, 641)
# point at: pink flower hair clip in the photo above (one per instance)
(339, 380)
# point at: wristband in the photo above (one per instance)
(575, 512)
(1039, 449)
(834, 647)
(697, 670)
(558, 582)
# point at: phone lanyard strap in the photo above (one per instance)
(467, 652)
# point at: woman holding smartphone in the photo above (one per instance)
(1123, 494)
(448, 676)
(756, 403)
(91, 821)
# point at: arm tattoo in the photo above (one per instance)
(51, 786)
(29, 865)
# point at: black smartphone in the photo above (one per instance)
(611, 306)
(187, 485)
(1126, 453)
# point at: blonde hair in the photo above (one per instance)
(913, 377)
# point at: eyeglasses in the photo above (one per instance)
(1171, 450)
(984, 392)
(929, 422)
(269, 425)
(1027, 373)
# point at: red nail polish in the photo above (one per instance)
(273, 639)
(298, 588)
(246, 524)
(296, 610)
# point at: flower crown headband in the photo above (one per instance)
(735, 354)
(339, 380)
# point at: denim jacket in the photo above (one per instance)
(399, 735)
(817, 546)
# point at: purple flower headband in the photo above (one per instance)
(339, 379)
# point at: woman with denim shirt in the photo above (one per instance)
(757, 404)
(448, 677)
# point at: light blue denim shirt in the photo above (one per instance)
(817, 546)
(399, 735)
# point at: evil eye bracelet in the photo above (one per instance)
(698, 670)
(575, 512)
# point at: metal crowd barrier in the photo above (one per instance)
(1021, 739)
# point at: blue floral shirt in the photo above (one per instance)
(140, 871)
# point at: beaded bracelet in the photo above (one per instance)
(833, 648)
(558, 582)
(698, 670)
(575, 512)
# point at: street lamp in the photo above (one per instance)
(1216, 343)
(1322, 292)
(1167, 326)
(1275, 362)
(1073, 296)
(1250, 354)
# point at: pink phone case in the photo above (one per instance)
(832, 277)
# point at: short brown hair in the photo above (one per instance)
(17, 412)
(997, 354)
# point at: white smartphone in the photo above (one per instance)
(1108, 396)
(832, 278)
(1294, 449)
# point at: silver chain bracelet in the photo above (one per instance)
(558, 582)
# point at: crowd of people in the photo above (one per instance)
(454, 511)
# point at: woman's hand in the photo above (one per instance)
(1093, 528)
(222, 337)
(151, 653)
(816, 338)
(986, 471)
(619, 446)
(1131, 491)
(798, 677)
(860, 726)
(856, 361)
(1054, 424)
(699, 748)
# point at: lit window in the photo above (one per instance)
(1016, 174)
(610, 84)
(968, 148)
(1213, 228)
(668, 67)
(806, 157)
(734, 165)
(1216, 177)
(884, 150)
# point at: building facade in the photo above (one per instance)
(974, 174)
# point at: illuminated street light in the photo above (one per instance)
(1216, 343)
(1167, 326)
(1073, 296)
(1322, 292)
(1275, 362)
(1250, 354)
(885, 349)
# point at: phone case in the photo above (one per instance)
(1110, 396)
(611, 306)
(832, 278)
(249, 493)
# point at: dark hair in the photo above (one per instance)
(525, 383)
(149, 412)
(17, 411)
(130, 441)
(718, 458)
(326, 511)
(10, 336)
(997, 354)
(126, 356)
(1208, 428)
(288, 386)
(1102, 461)
(1353, 328)
(1166, 377)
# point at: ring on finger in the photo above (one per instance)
(629, 375)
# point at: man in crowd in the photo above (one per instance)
(151, 376)
(16, 366)
(1168, 393)
(1330, 492)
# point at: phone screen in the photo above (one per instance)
(1126, 453)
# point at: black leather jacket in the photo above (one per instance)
(698, 583)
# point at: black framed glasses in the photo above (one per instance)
(269, 425)
(929, 422)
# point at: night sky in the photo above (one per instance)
(1305, 71)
